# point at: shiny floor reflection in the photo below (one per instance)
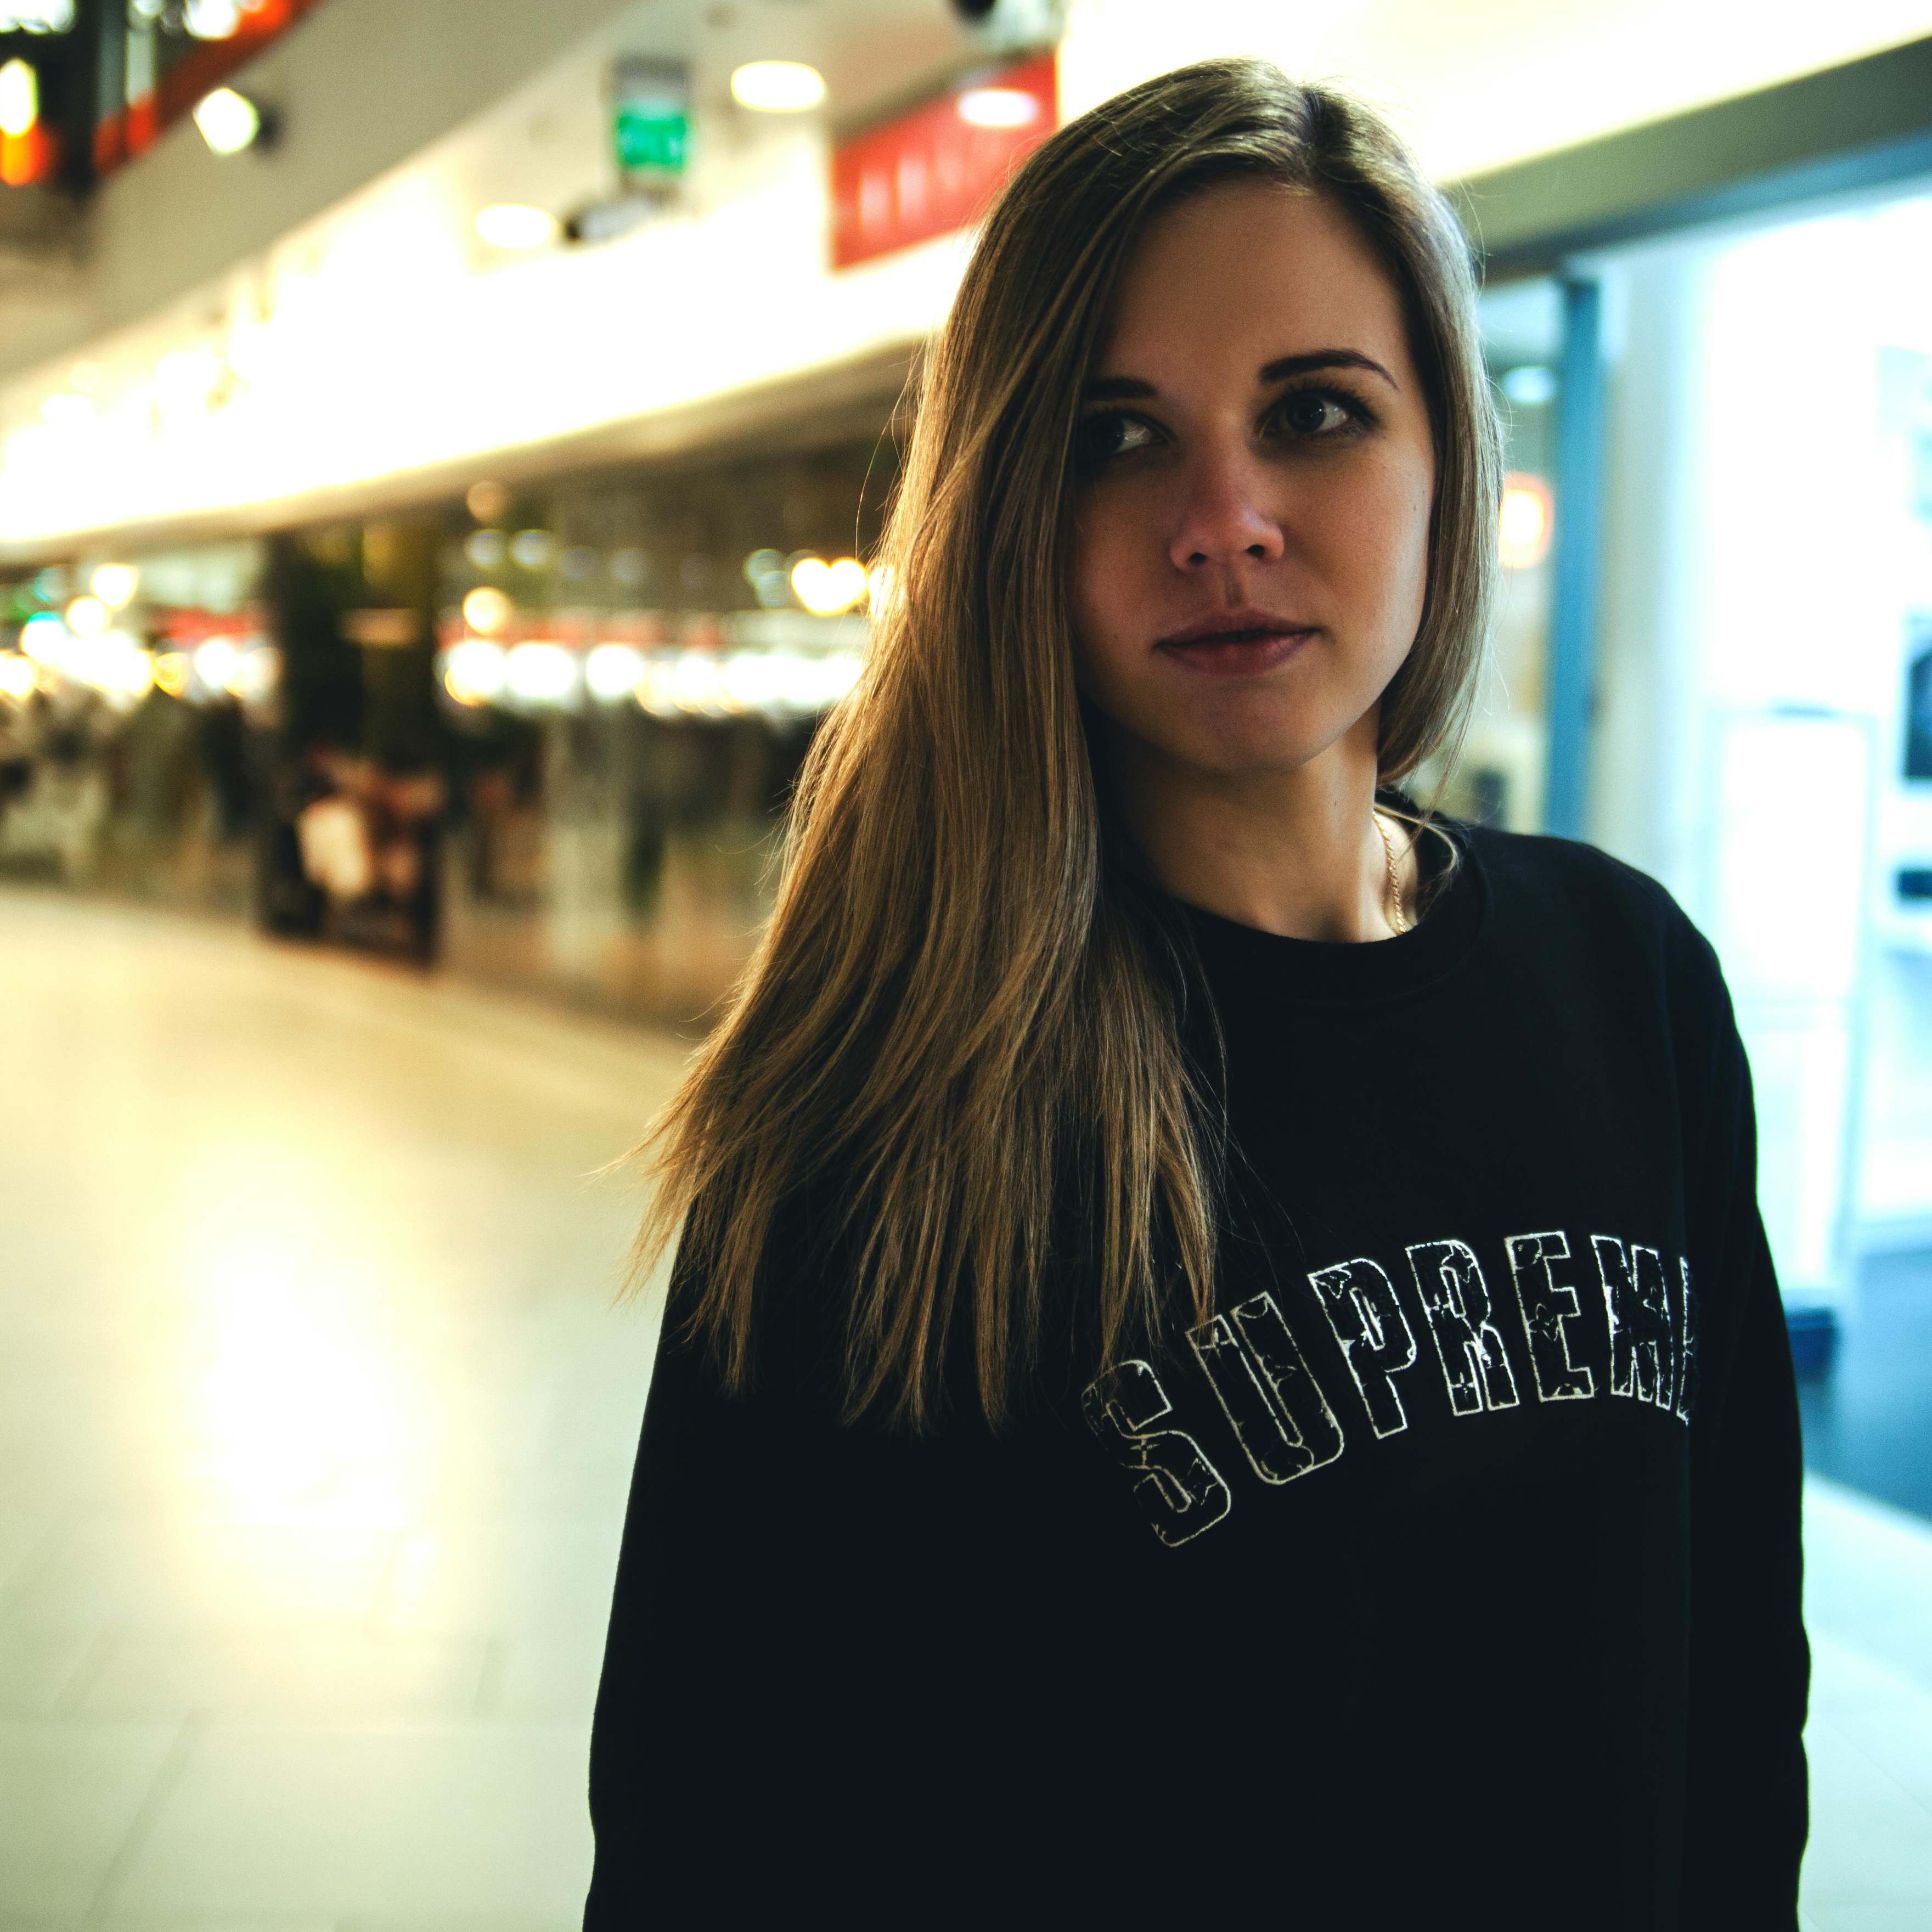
(315, 1430)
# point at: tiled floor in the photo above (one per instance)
(315, 1429)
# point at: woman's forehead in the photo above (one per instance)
(1252, 270)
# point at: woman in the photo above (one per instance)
(1223, 1366)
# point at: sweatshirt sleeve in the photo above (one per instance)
(704, 1713)
(1746, 1809)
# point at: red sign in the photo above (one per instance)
(937, 168)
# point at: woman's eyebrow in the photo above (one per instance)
(1285, 366)
(1127, 388)
(1115, 389)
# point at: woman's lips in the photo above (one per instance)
(1233, 653)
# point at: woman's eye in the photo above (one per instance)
(1103, 438)
(1315, 412)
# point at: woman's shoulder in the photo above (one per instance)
(1540, 884)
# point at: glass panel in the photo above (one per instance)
(1500, 779)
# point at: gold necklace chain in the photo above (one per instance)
(1399, 919)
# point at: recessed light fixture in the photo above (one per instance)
(998, 107)
(511, 224)
(229, 121)
(778, 86)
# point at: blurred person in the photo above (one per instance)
(1221, 1363)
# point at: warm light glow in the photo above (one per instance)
(65, 410)
(173, 670)
(45, 639)
(487, 502)
(216, 663)
(211, 20)
(473, 671)
(17, 675)
(87, 617)
(186, 380)
(116, 666)
(254, 674)
(779, 683)
(1527, 519)
(879, 581)
(19, 98)
(540, 673)
(509, 224)
(998, 107)
(296, 1414)
(486, 610)
(115, 584)
(827, 589)
(229, 121)
(611, 671)
(778, 87)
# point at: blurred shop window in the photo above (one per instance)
(1502, 776)
(630, 666)
(353, 834)
(135, 695)
(1762, 744)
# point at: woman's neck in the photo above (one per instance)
(1297, 853)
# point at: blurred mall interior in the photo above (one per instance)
(443, 444)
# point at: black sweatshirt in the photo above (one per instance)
(1448, 1576)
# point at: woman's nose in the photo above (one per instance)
(1223, 514)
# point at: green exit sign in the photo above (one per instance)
(650, 116)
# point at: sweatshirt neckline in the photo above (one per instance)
(1237, 958)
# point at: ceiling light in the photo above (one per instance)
(19, 98)
(229, 121)
(211, 20)
(778, 87)
(36, 17)
(998, 107)
(115, 584)
(510, 224)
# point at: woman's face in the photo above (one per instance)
(1256, 475)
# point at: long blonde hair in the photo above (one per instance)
(960, 1036)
